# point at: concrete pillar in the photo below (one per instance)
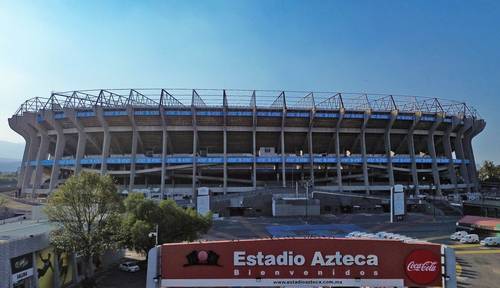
(366, 180)
(283, 156)
(311, 156)
(195, 150)
(432, 151)
(164, 147)
(225, 160)
(254, 166)
(476, 127)
(459, 151)
(106, 139)
(60, 143)
(42, 155)
(133, 158)
(21, 126)
(448, 151)
(80, 151)
(411, 149)
(388, 147)
(82, 138)
(310, 145)
(337, 149)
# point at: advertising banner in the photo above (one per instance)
(301, 262)
(21, 267)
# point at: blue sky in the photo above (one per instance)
(447, 49)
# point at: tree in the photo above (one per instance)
(87, 209)
(175, 224)
(489, 172)
(3, 205)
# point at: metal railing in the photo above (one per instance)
(239, 98)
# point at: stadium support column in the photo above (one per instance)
(82, 139)
(106, 139)
(411, 149)
(254, 144)
(224, 131)
(310, 145)
(448, 149)
(366, 181)
(32, 143)
(459, 151)
(337, 149)
(42, 155)
(283, 156)
(133, 156)
(432, 151)
(164, 146)
(195, 142)
(60, 143)
(476, 127)
(388, 148)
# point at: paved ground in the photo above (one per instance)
(477, 266)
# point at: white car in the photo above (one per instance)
(129, 266)
(457, 236)
(491, 241)
(354, 234)
(470, 239)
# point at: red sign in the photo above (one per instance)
(305, 262)
(422, 266)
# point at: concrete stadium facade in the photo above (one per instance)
(173, 141)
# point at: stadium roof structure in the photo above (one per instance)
(240, 98)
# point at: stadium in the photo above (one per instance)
(173, 141)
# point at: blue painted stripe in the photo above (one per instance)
(112, 113)
(240, 113)
(249, 159)
(406, 117)
(209, 113)
(326, 115)
(380, 116)
(83, 114)
(178, 113)
(298, 114)
(269, 113)
(147, 112)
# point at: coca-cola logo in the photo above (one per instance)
(422, 266)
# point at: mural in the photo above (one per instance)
(65, 268)
(45, 267)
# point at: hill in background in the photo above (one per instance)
(11, 155)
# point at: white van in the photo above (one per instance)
(470, 239)
(457, 236)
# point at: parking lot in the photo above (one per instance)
(477, 266)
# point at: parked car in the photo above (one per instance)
(470, 239)
(457, 236)
(491, 241)
(129, 266)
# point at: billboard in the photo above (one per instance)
(304, 262)
(21, 267)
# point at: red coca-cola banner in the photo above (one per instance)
(305, 262)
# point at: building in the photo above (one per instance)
(28, 260)
(172, 141)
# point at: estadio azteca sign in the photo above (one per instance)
(304, 262)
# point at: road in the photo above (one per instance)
(476, 266)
